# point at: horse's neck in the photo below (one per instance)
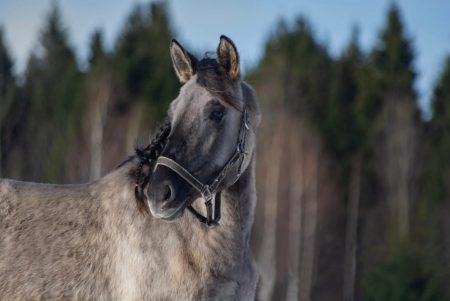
(238, 203)
(230, 238)
(240, 200)
(189, 252)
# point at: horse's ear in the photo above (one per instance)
(228, 57)
(183, 62)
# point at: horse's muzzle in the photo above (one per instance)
(167, 195)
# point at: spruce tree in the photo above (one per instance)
(143, 62)
(7, 89)
(341, 129)
(440, 120)
(300, 68)
(97, 53)
(98, 94)
(388, 70)
(440, 129)
(6, 66)
(393, 56)
(51, 87)
(6, 76)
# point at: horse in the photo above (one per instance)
(172, 222)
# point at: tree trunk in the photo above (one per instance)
(100, 99)
(309, 233)
(295, 219)
(268, 246)
(351, 232)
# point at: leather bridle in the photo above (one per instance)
(211, 192)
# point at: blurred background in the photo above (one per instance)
(353, 172)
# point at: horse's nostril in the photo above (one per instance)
(167, 193)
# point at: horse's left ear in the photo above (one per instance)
(183, 62)
(228, 57)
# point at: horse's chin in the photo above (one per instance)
(167, 215)
(172, 214)
(176, 215)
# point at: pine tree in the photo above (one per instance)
(368, 101)
(388, 69)
(52, 82)
(6, 66)
(97, 53)
(299, 66)
(98, 93)
(387, 114)
(440, 129)
(7, 90)
(431, 222)
(434, 206)
(143, 62)
(6, 76)
(341, 129)
(393, 56)
(440, 120)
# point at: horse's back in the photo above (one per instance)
(47, 236)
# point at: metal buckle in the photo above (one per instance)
(239, 147)
(206, 193)
(205, 190)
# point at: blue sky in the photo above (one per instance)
(199, 23)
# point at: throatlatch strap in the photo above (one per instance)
(211, 200)
(209, 220)
(210, 192)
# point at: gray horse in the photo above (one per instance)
(91, 241)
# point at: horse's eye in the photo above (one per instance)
(216, 115)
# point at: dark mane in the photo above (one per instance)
(214, 78)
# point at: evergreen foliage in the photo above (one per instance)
(97, 54)
(6, 65)
(342, 133)
(349, 101)
(401, 280)
(7, 94)
(142, 61)
(393, 57)
(440, 129)
(52, 84)
(303, 67)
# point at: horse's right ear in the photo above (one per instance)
(183, 62)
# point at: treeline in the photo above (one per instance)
(358, 200)
(353, 185)
(64, 124)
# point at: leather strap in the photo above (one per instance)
(217, 215)
(210, 192)
(181, 171)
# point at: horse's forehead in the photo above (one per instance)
(192, 98)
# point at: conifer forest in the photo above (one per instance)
(353, 182)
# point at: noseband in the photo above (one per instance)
(210, 192)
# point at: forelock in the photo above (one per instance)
(213, 77)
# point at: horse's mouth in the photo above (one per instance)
(172, 214)
(179, 211)
(175, 215)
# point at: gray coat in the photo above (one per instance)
(89, 242)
